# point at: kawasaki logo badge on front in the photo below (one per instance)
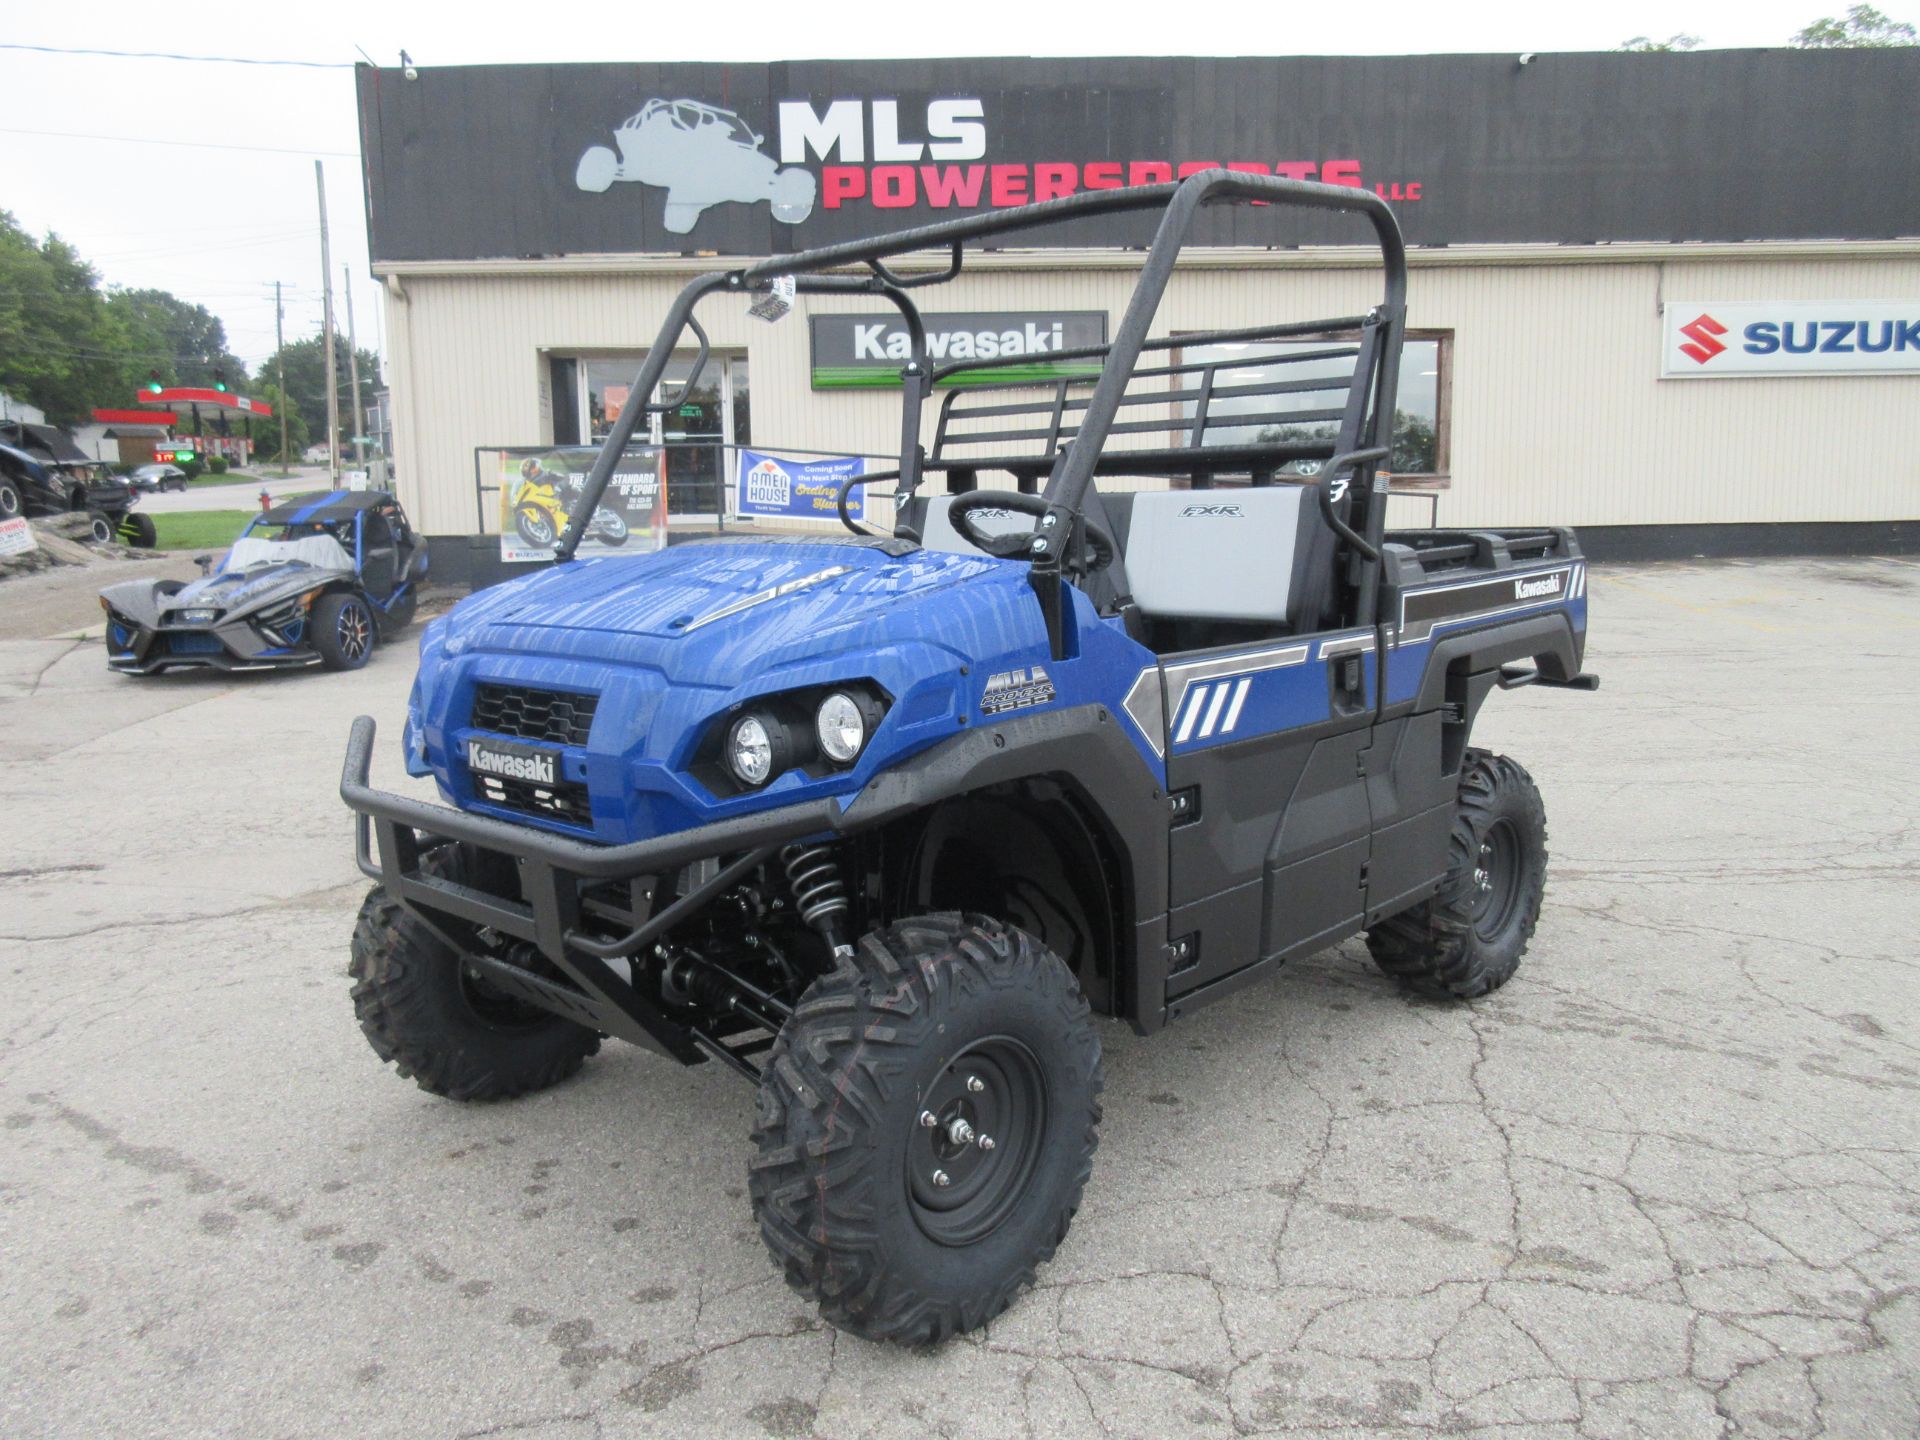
(1538, 589)
(537, 766)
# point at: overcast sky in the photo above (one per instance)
(220, 225)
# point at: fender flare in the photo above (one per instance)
(1549, 640)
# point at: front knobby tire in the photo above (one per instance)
(425, 1012)
(1467, 940)
(955, 1017)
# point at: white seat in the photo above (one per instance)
(937, 531)
(1219, 554)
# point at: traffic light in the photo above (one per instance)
(153, 382)
(220, 381)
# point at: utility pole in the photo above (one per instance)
(280, 378)
(353, 369)
(326, 325)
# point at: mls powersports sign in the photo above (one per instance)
(533, 161)
(868, 350)
(1709, 340)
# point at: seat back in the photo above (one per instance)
(1240, 555)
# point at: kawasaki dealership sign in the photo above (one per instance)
(870, 349)
(539, 160)
(1707, 340)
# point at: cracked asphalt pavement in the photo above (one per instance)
(1663, 1184)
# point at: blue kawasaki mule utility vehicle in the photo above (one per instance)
(878, 820)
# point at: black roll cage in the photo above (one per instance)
(1076, 453)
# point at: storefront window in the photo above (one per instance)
(1419, 417)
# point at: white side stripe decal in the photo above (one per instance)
(1192, 714)
(1239, 699)
(1213, 706)
(1219, 700)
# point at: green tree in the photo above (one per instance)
(60, 347)
(265, 433)
(188, 342)
(1641, 45)
(306, 366)
(1861, 28)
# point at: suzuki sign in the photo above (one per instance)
(1707, 340)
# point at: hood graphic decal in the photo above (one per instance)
(763, 596)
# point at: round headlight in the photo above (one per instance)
(841, 727)
(750, 751)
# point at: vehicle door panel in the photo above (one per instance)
(1267, 740)
(379, 560)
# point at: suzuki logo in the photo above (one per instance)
(1702, 332)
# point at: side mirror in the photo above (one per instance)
(205, 562)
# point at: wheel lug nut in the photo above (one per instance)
(928, 1119)
(975, 1084)
(986, 1142)
(940, 1179)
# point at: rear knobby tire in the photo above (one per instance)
(843, 1182)
(1467, 940)
(424, 1012)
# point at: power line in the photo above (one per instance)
(167, 55)
(183, 144)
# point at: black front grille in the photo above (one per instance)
(565, 801)
(561, 717)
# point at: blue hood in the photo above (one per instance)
(716, 612)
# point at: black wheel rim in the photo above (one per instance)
(355, 632)
(1496, 879)
(539, 529)
(977, 1141)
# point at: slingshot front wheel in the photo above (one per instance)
(343, 631)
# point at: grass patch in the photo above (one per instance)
(232, 477)
(200, 529)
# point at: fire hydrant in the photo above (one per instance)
(266, 502)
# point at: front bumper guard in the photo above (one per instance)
(392, 833)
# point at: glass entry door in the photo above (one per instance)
(696, 427)
(695, 431)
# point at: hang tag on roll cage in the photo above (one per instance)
(775, 302)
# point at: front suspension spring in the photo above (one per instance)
(818, 891)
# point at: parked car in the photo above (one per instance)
(317, 580)
(158, 476)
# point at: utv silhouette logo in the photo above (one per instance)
(701, 156)
(1703, 335)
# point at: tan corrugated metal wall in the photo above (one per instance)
(1556, 413)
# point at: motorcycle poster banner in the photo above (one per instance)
(540, 485)
(773, 485)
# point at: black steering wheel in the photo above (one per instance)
(1019, 546)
